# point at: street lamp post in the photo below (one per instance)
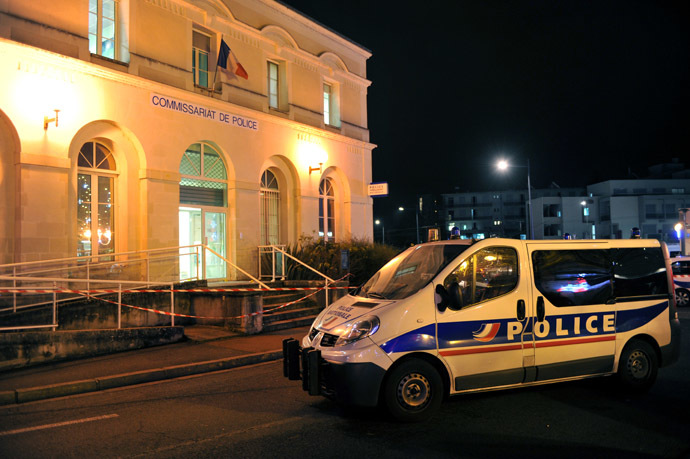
(503, 165)
(416, 219)
(585, 213)
(383, 231)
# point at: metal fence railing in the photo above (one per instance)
(275, 257)
(44, 283)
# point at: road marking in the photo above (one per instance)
(269, 425)
(59, 424)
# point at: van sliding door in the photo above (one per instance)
(574, 309)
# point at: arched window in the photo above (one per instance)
(203, 177)
(95, 200)
(326, 210)
(203, 199)
(270, 209)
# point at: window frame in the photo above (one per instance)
(270, 64)
(270, 199)
(196, 53)
(202, 177)
(327, 219)
(94, 172)
(327, 102)
(99, 16)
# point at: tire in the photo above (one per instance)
(413, 391)
(682, 297)
(638, 366)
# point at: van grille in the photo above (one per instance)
(328, 340)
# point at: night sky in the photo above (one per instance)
(587, 90)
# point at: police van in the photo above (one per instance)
(681, 279)
(452, 317)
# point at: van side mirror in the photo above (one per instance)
(441, 297)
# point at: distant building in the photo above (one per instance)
(500, 213)
(118, 131)
(609, 209)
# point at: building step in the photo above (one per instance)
(290, 314)
(293, 323)
(283, 305)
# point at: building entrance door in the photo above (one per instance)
(199, 226)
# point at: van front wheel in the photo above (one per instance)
(413, 391)
(638, 365)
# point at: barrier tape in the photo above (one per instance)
(187, 290)
(167, 313)
(263, 311)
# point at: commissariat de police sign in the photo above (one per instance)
(200, 111)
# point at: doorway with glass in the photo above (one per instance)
(199, 226)
(203, 207)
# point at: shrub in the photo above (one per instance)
(365, 259)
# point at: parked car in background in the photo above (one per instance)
(681, 279)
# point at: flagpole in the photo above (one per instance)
(215, 75)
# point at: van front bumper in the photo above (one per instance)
(350, 383)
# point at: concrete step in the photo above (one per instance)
(278, 299)
(298, 305)
(290, 314)
(294, 323)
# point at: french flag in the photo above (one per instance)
(228, 63)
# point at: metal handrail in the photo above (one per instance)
(87, 257)
(328, 280)
(275, 247)
(235, 266)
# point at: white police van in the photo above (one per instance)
(452, 317)
(681, 279)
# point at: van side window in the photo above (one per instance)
(680, 267)
(573, 277)
(639, 272)
(486, 274)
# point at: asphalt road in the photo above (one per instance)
(255, 412)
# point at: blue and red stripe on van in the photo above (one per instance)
(458, 338)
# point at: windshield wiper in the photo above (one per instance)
(376, 295)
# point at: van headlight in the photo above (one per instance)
(366, 326)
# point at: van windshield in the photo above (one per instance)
(410, 271)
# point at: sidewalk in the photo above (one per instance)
(206, 349)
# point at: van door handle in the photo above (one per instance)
(541, 311)
(521, 310)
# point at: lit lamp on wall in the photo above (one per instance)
(47, 121)
(314, 156)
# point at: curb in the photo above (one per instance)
(129, 379)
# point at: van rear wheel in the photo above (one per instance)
(413, 391)
(638, 365)
(682, 297)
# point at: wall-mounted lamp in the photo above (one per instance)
(47, 121)
(314, 169)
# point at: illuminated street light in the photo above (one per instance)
(503, 165)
